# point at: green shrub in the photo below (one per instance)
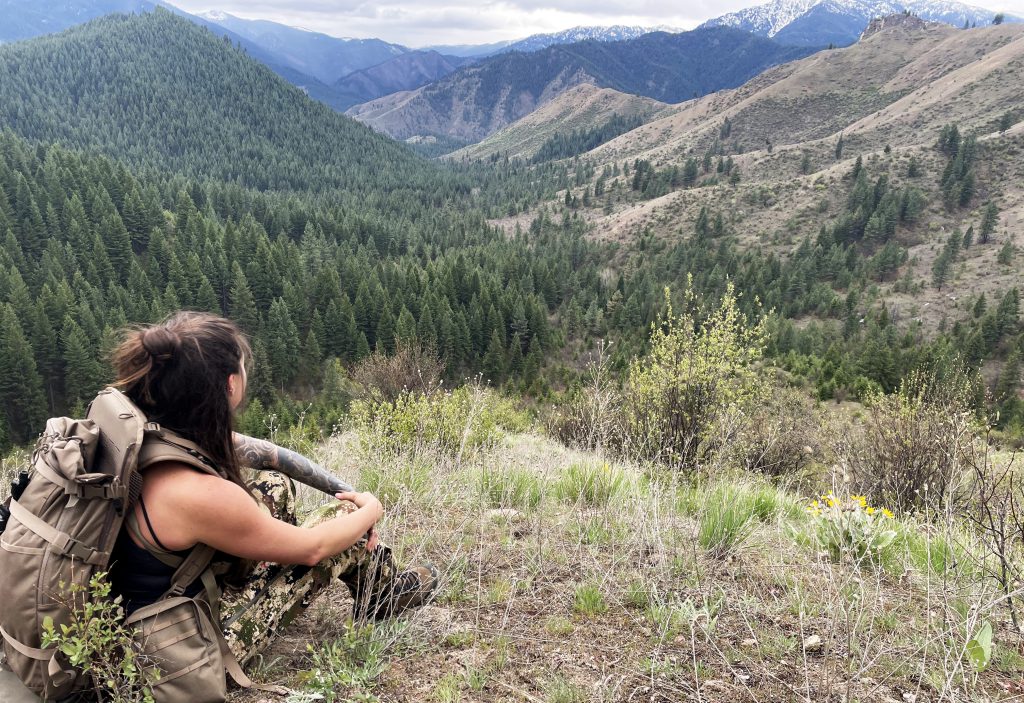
(96, 641)
(686, 399)
(350, 663)
(590, 484)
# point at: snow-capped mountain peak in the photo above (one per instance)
(213, 15)
(577, 34)
(820, 22)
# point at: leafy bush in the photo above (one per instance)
(914, 444)
(412, 367)
(349, 664)
(851, 527)
(782, 439)
(97, 642)
(687, 398)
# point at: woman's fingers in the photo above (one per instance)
(371, 544)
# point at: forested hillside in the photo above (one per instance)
(166, 95)
(88, 247)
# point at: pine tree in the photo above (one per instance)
(989, 220)
(241, 304)
(282, 338)
(82, 375)
(405, 328)
(21, 389)
(493, 364)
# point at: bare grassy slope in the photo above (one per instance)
(579, 108)
(889, 97)
(569, 578)
(891, 86)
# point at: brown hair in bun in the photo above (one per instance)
(177, 372)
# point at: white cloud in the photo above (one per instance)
(463, 21)
(476, 22)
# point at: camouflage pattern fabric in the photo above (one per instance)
(273, 595)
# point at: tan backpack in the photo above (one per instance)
(83, 483)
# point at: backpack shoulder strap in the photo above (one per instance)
(161, 444)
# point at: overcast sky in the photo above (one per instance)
(428, 22)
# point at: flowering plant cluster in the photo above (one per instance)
(851, 527)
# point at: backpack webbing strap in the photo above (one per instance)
(197, 561)
(233, 668)
(60, 542)
(114, 490)
(166, 446)
(24, 649)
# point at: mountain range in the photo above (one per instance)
(482, 98)
(840, 22)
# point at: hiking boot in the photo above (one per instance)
(409, 589)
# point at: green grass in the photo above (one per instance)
(725, 519)
(511, 487)
(393, 482)
(590, 484)
(558, 626)
(589, 601)
(558, 690)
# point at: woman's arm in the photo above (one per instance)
(262, 455)
(187, 507)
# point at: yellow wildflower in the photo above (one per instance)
(869, 510)
(887, 512)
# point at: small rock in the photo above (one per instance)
(910, 697)
(812, 644)
(749, 642)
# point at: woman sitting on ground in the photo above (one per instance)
(188, 374)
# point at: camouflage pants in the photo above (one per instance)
(273, 595)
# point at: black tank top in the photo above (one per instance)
(138, 576)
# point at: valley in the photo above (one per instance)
(693, 359)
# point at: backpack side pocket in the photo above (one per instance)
(177, 636)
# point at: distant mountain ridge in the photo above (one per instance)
(840, 22)
(321, 56)
(480, 99)
(617, 32)
(24, 19)
(406, 72)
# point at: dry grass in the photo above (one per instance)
(633, 596)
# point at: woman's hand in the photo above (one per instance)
(369, 502)
(366, 501)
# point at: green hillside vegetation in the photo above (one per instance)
(633, 454)
(88, 248)
(164, 94)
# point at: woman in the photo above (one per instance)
(188, 375)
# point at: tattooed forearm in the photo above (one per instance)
(262, 455)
